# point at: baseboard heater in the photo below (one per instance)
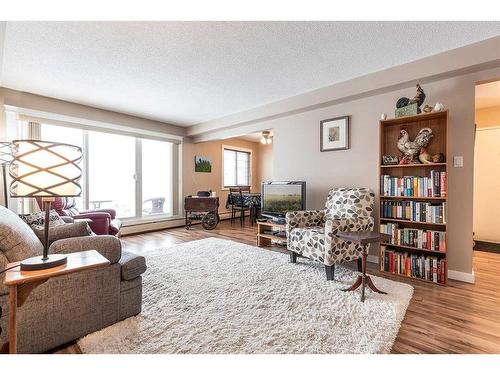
(491, 247)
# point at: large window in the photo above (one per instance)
(131, 175)
(111, 173)
(236, 167)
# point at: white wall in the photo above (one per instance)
(487, 185)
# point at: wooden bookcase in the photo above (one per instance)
(388, 134)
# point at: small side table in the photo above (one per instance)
(21, 284)
(364, 238)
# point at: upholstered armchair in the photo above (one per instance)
(312, 234)
(103, 221)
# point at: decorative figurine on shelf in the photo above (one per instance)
(390, 160)
(427, 109)
(424, 157)
(411, 149)
(416, 101)
(404, 160)
(438, 107)
(438, 158)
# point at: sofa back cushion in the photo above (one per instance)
(349, 203)
(17, 240)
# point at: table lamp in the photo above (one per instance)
(47, 170)
(6, 152)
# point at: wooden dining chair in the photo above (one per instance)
(237, 204)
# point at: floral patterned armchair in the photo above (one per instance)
(312, 233)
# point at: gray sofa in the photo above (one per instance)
(68, 307)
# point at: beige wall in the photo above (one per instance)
(487, 185)
(487, 117)
(196, 181)
(265, 163)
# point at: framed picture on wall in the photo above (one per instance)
(334, 134)
(202, 164)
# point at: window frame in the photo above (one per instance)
(250, 163)
(139, 218)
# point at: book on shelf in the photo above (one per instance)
(430, 268)
(418, 238)
(434, 213)
(415, 186)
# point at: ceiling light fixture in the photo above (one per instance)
(266, 138)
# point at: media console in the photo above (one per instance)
(270, 233)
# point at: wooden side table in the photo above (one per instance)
(364, 238)
(22, 283)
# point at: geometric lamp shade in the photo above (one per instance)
(45, 169)
(6, 152)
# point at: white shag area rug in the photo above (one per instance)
(219, 296)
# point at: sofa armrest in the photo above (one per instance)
(67, 219)
(100, 221)
(108, 211)
(133, 265)
(302, 219)
(109, 247)
(349, 224)
(93, 216)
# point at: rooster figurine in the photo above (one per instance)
(411, 149)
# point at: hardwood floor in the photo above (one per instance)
(458, 318)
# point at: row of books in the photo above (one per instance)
(413, 186)
(415, 211)
(417, 238)
(430, 268)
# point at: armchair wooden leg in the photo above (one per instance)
(330, 272)
(293, 257)
(360, 265)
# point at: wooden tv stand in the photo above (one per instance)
(265, 239)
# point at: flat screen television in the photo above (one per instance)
(279, 197)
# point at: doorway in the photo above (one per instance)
(487, 167)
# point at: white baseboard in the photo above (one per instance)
(372, 259)
(462, 276)
(159, 225)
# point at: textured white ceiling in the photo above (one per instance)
(190, 72)
(488, 95)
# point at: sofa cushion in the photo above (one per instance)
(17, 240)
(133, 265)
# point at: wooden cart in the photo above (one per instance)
(204, 209)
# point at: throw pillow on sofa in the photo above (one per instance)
(38, 218)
